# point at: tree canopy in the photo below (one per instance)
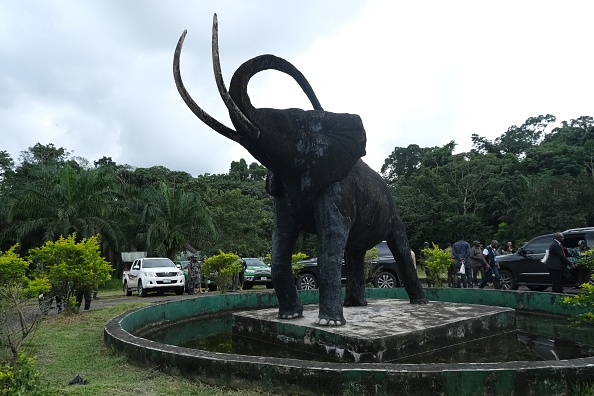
(532, 179)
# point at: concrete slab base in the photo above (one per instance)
(382, 331)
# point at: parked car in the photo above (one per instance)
(153, 274)
(257, 273)
(384, 273)
(524, 267)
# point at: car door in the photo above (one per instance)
(530, 269)
(133, 275)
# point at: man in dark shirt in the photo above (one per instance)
(461, 251)
(557, 263)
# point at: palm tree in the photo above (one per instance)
(57, 201)
(175, 219)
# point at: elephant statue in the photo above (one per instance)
(319, 184)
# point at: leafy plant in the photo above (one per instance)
(12, 267)
(371, 256)
(18, 318)
(586, 259)
(22, 378)
(584, 299)
(71, 267)
(436, 262)
(295, 259)
(222, 268)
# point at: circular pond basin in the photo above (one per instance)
(467, 373)
(214, 334)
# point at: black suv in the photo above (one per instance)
(383, 273)
(524, 267)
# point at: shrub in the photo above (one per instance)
(584, 299)
(296, 267)
(71, 267)
(371, 256)
(436, 263)
(12, 267)
(222, 268)
(20, 379)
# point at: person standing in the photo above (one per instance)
(461, 252)
(241, 275)
(557, 263)
(192, 268)
(477, 261)
(492, 271)
(422, 259)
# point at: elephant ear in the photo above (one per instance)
(323, 146)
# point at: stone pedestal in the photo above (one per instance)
(382, 331)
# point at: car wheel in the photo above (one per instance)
(508, 282)
(141, 290)
(385, 280)
(247, 286)
(537, 288)
(307, 282)
(179, 291)
(212, 287)
(270, 285)
(127, 290)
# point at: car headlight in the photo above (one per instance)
(151, 274)
(180, 273)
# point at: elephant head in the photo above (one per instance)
(313, 147)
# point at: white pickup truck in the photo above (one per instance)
(153, 274)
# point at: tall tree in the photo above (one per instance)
(57, 201)
(175, 219)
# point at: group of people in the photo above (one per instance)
(475, 260)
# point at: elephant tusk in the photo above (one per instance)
(234, 111)
(201, 114)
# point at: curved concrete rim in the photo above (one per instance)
(292, 376)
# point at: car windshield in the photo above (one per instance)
(254, 262)
(158, 263)
(383, 250)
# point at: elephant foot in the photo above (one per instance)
(419, 301)
(326, 322)
(290, 316)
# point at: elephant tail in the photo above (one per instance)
(241, 78)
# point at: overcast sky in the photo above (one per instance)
(95, 77)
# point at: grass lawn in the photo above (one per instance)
(69, 345)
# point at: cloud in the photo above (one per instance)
(95, 77)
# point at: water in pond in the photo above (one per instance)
(537, 338)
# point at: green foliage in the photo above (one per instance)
(244, 222)
(12, 267)
(72, 266)
(222, 268)
(174, 218)
(436, 262)
(584, 299)
(371, 256)
(295, 259)
(586, 259)
(20, 379)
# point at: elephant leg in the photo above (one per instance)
(398, 244)
(284, 235)
(333, 230)
(355, 286)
